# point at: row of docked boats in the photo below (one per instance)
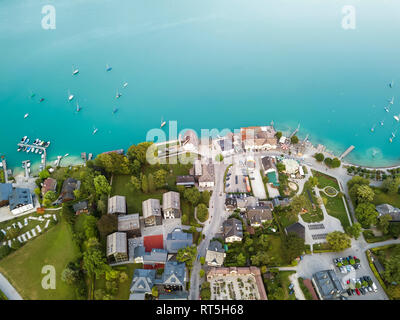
(36, 146)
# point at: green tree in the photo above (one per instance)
(101, 206)
(202, 260)
(294, 140)
(297, 204)
(202, 212)
(319, 157)
(205, 292)
(394, 291)
(145, 185)
(384, 222)
(95, 263)
(44, 174)
(49, 198)
(280, 167)
(70, 276)
(366, 214)
(338, 241)
(101, 185)
(138, 152)
(202, 273)
(313, 181)
(192, 195)
(278, 135)
(108, 223)
(241, 260)
(355, 230)
(293, 247)
(391, 185)
(335, 163)
(160, 178)
(113, 163)
(357, 180)
(205, 197)
(187, 255)
(365, 194)
(135, 182)
(150, 181)
(278, 294)
(154, 291)
(90, 227)
(392, 269)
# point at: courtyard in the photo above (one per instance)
(234, 287)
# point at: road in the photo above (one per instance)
(217, 215)
(8, 289)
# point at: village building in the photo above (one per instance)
(117, 247)
(232, 230)
(298, 229)
(20, 200)
(155, 259)
(230, 203)
(171, 205)
(142, 283)
(189, 141)
(280, 201)
(387, 209)
(152, 212)
(68, 188)
(291, 166)
(243, 203)
(259, 215)
(130, 224)
(258, 138)
(177, 239)
(117, 205)
(206, 180)
(268, 165)
(49, 184)
(215, 254)
(187, 181)
(327, 285)
(81, 207)
(5, 191)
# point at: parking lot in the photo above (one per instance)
(235, 179)
(311, 264)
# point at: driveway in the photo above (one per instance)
(8, 289)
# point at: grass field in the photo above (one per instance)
(23, 267)
(335, 208)
(382, 197)
(324, 180)
(314, 214)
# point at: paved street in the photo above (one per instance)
(8, 289)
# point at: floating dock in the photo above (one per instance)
(22, 145)
(348, 150)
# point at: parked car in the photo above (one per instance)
(358, 292)
(353, 291)
(362, 291)
(374, 287)
(357, 266)
(349, 292)
(369, 289)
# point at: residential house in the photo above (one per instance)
(178, 239)
(171, 205)
(230, 203)
(49, 184)
(279, 201)
(187, 181)
(215, 254)
(232, 230)
(153, 242)
(189, 141)
(68, 188)
(117, 247)
(268, 165)
(20, 200)
(81, 207)
(243, 203)
(117, 205)
(298, 229)
(206, 180)
(174, 276)
(142, 283)
(387, 209)
(327, 285)
(5, 191)
(259, 215)
(258, 138)
(225, 145)
(130, 224)
(151, 212)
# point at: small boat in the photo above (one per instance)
(37, 150)
(26, 115)
(382, 123)
(118, 95)
(115, 110)
(70, 96)
(390, 140)
(66, 155)
(41, 100)
(19, 149)
(23, 139)
(125, 84)
(163, 123)
(391, 101)
(33, 149)
(47, 143)
(387, 109)
(27, 140)
(94, 131)
(40, 152)
(74, 71)
(108, 68)
(373, 129)
(391, 84)
(33, 94)
(397, 117)
(78, 108)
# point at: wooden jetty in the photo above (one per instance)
(348, 150)
(22, 145)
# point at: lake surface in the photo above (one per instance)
(206, 64)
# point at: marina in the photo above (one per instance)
(37, 146)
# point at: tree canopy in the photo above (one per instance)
(366, 214)
(338, 241)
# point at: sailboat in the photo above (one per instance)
(41, 100)
(387, 109)
(163, 123)
(125, 84)
(70, 96)
(74, 71)
(94, 131)
(118, 95)
(391, 101)
(108, 68)
(32, 94)
(391, 84)
(78, 108)
(382, 123)
(397, 117)
(115, 110)
(26, 115)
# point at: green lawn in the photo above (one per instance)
(382, 197)
(335, 208)
(281, 280)
(325, 180)
(314, 214)
(124, 288)
(23, 267)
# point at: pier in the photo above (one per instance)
(25, 165)
(23, 145)
(295, 131)
(348, 150)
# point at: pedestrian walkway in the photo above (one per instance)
(8, 289)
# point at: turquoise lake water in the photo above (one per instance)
(207, 64)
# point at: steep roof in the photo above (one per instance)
(153, 242)
(82, 205)
(117, 204)
(151, 207)
(174, 273)
(233, 227)
(128, 222)
(117, 243)
(171, 200)
(208, 173)
(5, 191)
(68, 188)
(387, 209)
(143, 280)
(20, 197)
(49, 184)
(178, 239)
(328, 284)
(297, 228)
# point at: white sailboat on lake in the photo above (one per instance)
(75, 71)
(70, 96)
